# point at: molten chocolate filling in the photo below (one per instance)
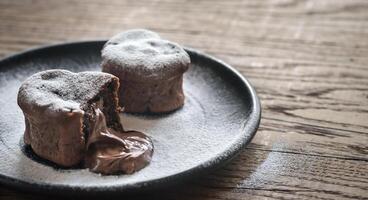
(110, 151)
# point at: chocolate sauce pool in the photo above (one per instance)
(112, 152)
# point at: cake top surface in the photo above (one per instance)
(61, 90)
(143, 54)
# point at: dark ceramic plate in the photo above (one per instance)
(220, 116)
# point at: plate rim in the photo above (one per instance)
(216, 162)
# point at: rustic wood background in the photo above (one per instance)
(308, 61)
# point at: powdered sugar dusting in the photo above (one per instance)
(61, 90)
(142, 53)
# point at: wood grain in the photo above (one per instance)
(307, 59)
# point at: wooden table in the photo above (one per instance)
(308, 61)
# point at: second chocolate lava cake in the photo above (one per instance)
(150, 70)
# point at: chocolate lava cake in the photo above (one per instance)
(69, 116)
(150, 70)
